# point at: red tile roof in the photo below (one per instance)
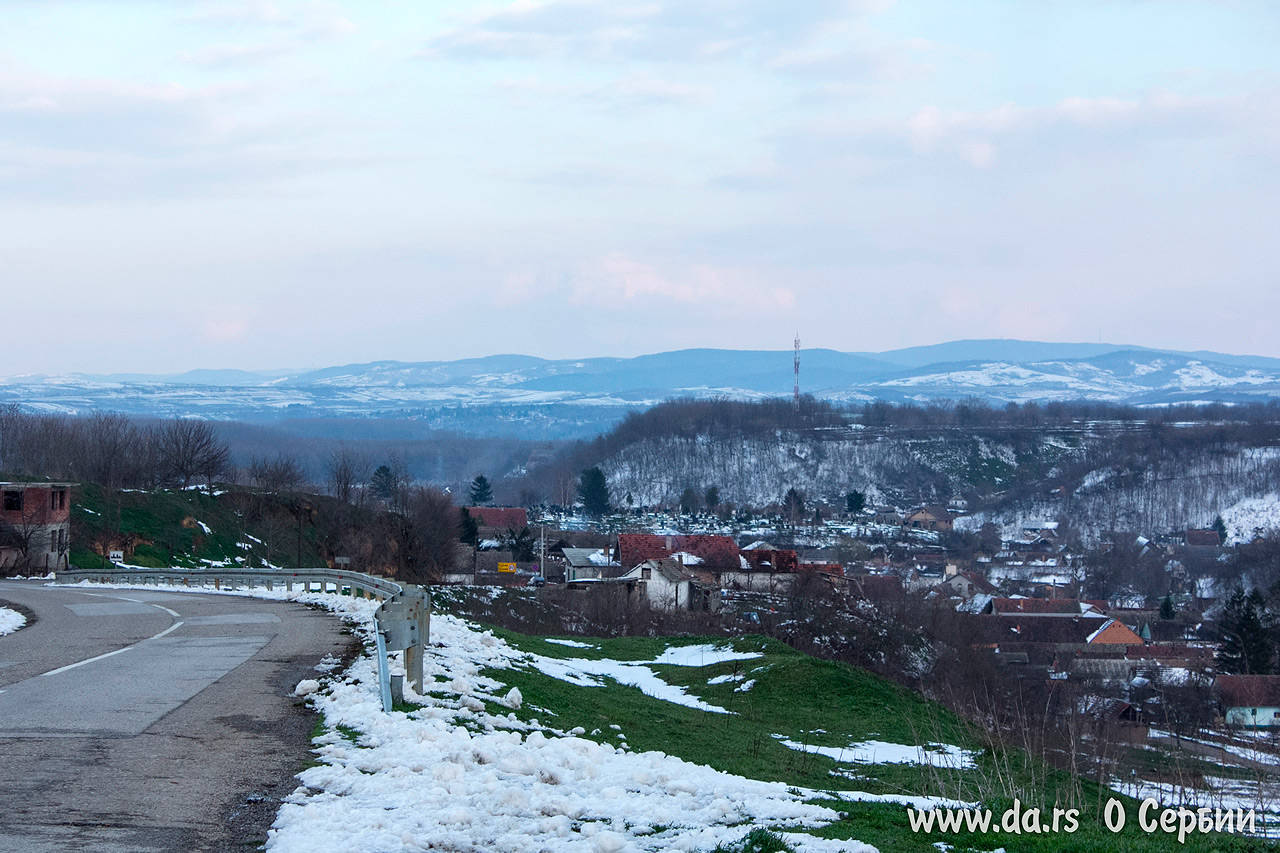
(716, 552)
(500, 517)
(1243, 691)
(1203, 538)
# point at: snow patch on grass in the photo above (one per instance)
(880, 752)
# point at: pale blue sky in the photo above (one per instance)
(268, 184)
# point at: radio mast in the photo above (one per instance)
(795, 399)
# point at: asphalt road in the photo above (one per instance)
(136, 720)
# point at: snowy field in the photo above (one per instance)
(457, 773)
(10, 621)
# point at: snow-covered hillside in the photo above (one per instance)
(887, 468)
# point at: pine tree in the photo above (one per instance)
(712, 498)
(593, 489)
(1220, 526)
(793, 504)
(481, 491)
(1166, 607)
(383, 483)
(855, 502)
(1246, 648)
(468, 528)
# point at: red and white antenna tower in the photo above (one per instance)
(795, 400)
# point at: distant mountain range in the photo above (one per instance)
(513, 393)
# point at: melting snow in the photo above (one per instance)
(880, 752)
(572, 643)
(10, 621)
(590, 673)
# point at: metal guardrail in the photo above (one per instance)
(401, 622)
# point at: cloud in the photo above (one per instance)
(70, 137)
(973, 134)
(656, 30)
(625, 92)
(619, 282)
(234, 54)
(226, 329)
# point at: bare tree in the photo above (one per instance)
(10, 421)
(109, 440)
(433, 538)
(348, 470)
(190, 449)
(281, 473)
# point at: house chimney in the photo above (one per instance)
(952, 570)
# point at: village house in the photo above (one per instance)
(35, 526)
(717, 553)
(967, 584)
(669, 585)
(589, 564)
(1203, 540)
(1250, 701)
(1113, 632)
(928, 518)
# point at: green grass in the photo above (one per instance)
(814, 702)
(801, 698)
(162, 525)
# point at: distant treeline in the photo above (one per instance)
(119, 451)
(111, 449)
(977, 412)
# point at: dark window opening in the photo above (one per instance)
(59, 499)
(13, 501)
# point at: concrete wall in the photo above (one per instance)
(1253, 717)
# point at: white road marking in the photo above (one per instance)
(136, 601)
(171, 628)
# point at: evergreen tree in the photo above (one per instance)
(383, 483)
(1246, 648)
(481, 491)
(1166, 607)
(712, 498)
(520, 543)
(593, 489)
(689, 501)
(1220, 526)
(793, 504)
(468, 528)
(855, 502)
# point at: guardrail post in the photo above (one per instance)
(384, 672)
(413, 656)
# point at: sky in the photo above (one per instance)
(300, 184)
